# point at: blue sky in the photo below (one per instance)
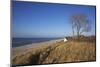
(32, 19)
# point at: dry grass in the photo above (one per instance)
(71, 51)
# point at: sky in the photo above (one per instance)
(35, 19)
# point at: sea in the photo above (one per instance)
(17, 42)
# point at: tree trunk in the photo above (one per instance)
(78, 30)
(73, 30)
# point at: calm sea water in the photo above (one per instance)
(16, 42)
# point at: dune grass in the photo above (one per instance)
(59, 52)
(72, 52)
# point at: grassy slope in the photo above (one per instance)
(59, 52)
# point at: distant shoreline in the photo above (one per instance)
(23, 48)
(18, 42)
(37, 44)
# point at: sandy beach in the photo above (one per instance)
(25, 48)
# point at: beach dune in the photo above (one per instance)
(54, 51)
(27, 47)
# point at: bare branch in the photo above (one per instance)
(80, 23)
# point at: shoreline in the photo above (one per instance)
(24, 48)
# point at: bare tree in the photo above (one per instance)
(80, 23)
(72, 22)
